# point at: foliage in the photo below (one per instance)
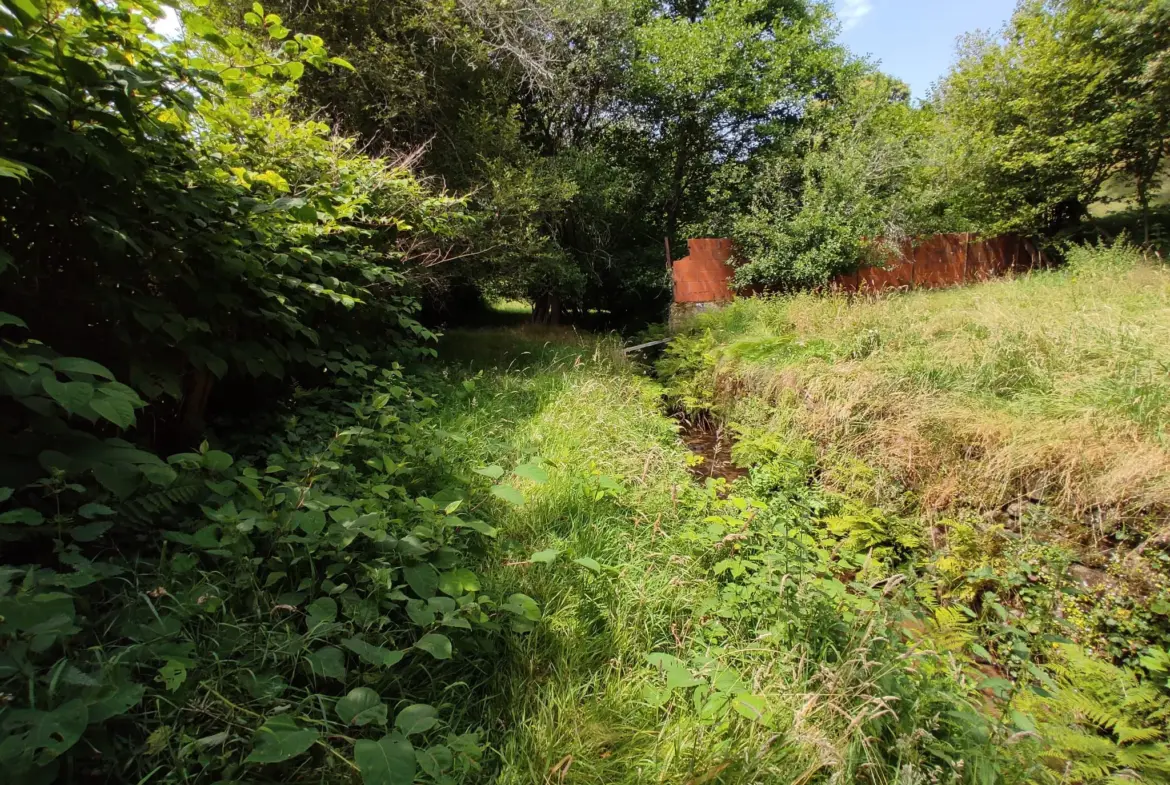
(586, 131)
(220, 238)
(208, 614)
(1070, 96)
(857, 181)
(1102, 723)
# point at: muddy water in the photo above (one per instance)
(711, 440)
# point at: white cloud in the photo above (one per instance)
(851, 12)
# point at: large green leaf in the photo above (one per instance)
(362, 706)
(26, 10)
(279, 739)
(82, 365)
(458, 581)
(114, 700)
(328, 661)
(388, 761)
(422, 579)
(71, 396)
(436, 645)
(753, 707)
(417, 718)
(117, 410)
(491, 472)
(508, 494)
(532, 472)
(371, 654)
(545, 557)
(36, 737)
(320, 611)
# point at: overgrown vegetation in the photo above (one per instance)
(260, 524)
(1002, 450)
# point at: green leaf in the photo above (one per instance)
(481, 527)
(223, 488)
(1001, 687)
(217, 460)
(422, 579)
(388, 761)
(93, 510)
(7, 319)
(119, 411)
(294, 70)
(533, 472)
(589, 564)
(522, 605)
(492, 472)
(71, 396)
(753, 707)
(35, 738)
(362, 706)
(508, 494)
(329, 662)
(90, 531)
(27, 11)
(436, 645)
(114, 701)
(81, 365)
(172, 674)
(545, 557)
(279, 739)
(458, 582)
(321, 611)
(416, 719)
(981, 653)
(25, 515)
(341, 61)
(371, 654)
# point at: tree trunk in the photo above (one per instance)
(1143, 197)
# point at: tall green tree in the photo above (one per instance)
(1074, 93)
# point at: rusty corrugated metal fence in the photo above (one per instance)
(704, 276)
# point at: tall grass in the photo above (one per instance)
(578, 700)
(1052, 386)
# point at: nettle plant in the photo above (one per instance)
(207, 613)
(306, 604)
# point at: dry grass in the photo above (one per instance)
(1054, 387)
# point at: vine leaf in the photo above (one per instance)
(388, 761)
(508, 494)
(436, 645)
(362, 706)
(416, 719)
(279, 739)
(371, 654)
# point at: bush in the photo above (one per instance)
(170, 224)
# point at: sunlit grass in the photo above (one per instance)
(1054, 385)
(569, 701)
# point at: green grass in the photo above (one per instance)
(806, 695)
(1054, 385)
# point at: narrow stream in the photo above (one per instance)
(711, 440)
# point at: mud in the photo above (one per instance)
(713, 442)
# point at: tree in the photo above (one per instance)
(1073, 94)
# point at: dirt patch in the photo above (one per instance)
(712, 441)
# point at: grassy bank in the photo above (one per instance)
(693, 633)
(1001, 449)
(1051, 387)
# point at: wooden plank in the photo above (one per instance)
(650, 345)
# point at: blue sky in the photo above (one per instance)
(915, 39)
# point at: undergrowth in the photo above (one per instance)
(973, 457)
